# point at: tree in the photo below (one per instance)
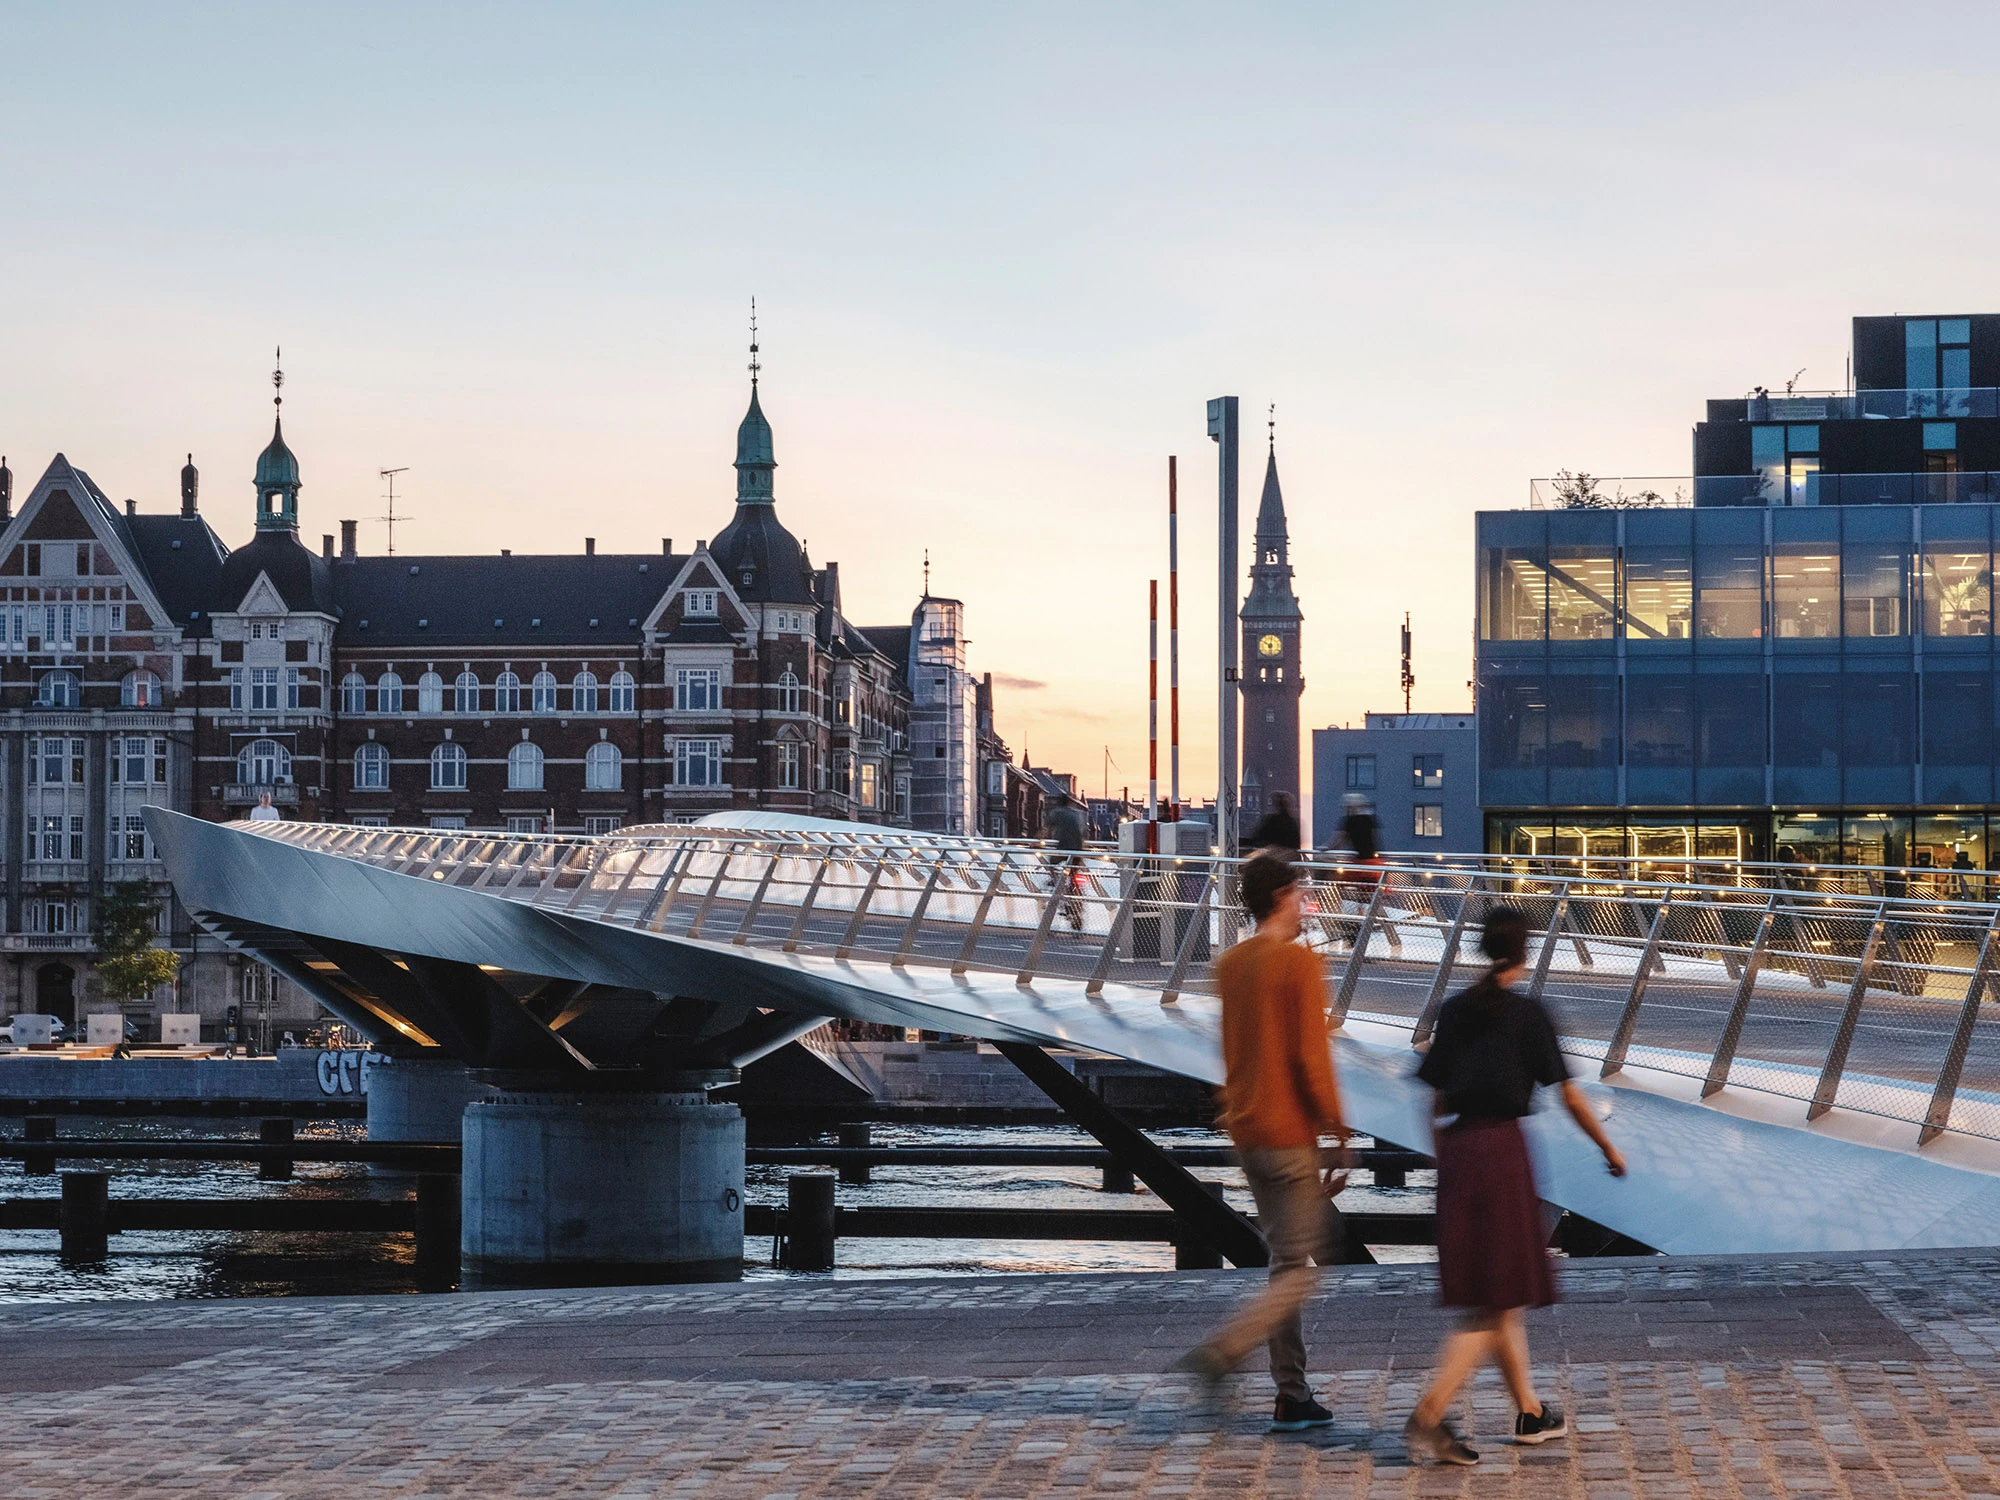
(127, 961)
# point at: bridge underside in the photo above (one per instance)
(569, 999)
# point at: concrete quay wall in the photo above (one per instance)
(301, 1077)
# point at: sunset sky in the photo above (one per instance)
(1002, 254)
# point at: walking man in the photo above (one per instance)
(1278, 1098)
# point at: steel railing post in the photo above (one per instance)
(1621, 1039)
(1197, 929)
(1828, 1088)
(916, 922)
(725, 855)
(1109, 952)
(653, 915)
(861, 907)
(1350, 976)
(1058, 889)
(1550, 938)
(1732, 1029)
(1447, 961)
(1937, 1119)
(798, 931)
(743, 928)
(979, 919)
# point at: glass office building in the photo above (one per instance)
(1788, 667)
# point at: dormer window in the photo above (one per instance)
(700, 603)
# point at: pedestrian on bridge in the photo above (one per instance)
(1491, 1050)
(1279, 1096)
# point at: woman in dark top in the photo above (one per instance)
(1277, 829)
(1491, 1050)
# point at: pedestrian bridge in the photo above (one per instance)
(1790, 1062)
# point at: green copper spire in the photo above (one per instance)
(754, 462)
(277, 470)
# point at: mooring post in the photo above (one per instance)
(809, 1212)
(855, 1136)
(1118, 1178)
(1193, 1252)
(275, 1133)
(440, 1199)
(84, 1217)
(39, 1128)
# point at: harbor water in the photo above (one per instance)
(154, 1265)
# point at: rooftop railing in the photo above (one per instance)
(1862, 989)
(1885, 405)
(1669, 492)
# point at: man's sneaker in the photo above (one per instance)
(1437, 1442)
(1293, 1415)
(1543, 1425)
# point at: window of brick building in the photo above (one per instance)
(583, 693)
(448, 768)
(624, 693)
(506, 694)
(524, 768)
(465, 693)
(603, 768)
(371, 767)
(697, 762)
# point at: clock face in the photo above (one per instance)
(1271, 645)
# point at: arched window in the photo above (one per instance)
(264, 763)
(545, 692)
(354, 694)
(389, 693)
(448, 768)
(602, 768)
(140, 689)
(465, 693)
(506, 694)
(524, 768)
(430, 694)
(788, 693)
(624, 693)
(59, 690)
(583, 693)
(371, 767)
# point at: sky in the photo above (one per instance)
(1002, 257)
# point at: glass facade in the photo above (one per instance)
(1815, 684)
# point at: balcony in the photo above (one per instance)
(245, 794)
(1673, 492)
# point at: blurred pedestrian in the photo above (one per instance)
(1279, 1096)
(1491, 1050)
(1278, 828)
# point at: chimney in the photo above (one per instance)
(666, 546)
(590, 546)
(506, 551)
(6, 491)
(326, 545)
(347, 528)
(190, 486)
(131, 506)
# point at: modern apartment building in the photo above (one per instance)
(1417, 771)
(1787, 654)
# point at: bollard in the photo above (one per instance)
(809, 1215)
(1118, 1178)
(39, 1163)
(83, 1218)
(275, 1133)
(1391, 1177)
(1191, 1254)
(440, 1197)
(854, 1136)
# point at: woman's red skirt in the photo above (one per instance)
(1492, 1238)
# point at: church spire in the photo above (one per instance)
(277, 470)
(754, 463)
(1271, 572)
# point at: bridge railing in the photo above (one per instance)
(1875, 1001)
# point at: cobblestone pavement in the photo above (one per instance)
(1866, 1375)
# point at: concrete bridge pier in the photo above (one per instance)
(420, 1099)
(602, 1188)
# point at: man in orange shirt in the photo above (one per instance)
(1278, 1097)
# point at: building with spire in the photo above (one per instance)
(142, 661)
(1271, 684)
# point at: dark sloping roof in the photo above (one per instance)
(186, 579)
(303, 579)
(410, 601)
(893, 641)
(762, 561)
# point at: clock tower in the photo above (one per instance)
(1271, 682)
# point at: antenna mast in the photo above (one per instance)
(392, 518)
(1409, 677)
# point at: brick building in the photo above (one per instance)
(142, 661)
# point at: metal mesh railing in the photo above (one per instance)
(1872, 1000)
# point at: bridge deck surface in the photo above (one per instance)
(1867, 1375)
